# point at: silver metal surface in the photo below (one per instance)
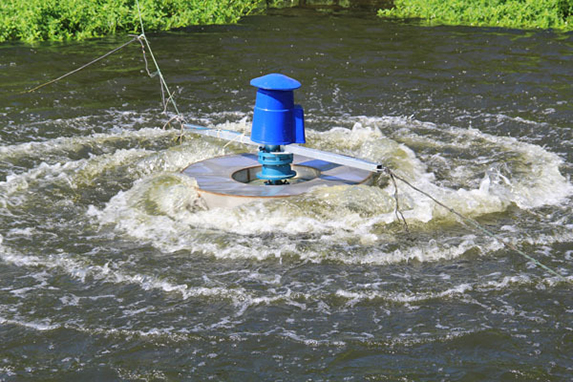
(344, 160)
(228, 135)
(228, 181)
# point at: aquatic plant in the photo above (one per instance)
(523, 14)
(35, 20)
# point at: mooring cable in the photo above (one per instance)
(163, 84)
(136, 38)
(397, 209)
(475, 224)
(161, 78)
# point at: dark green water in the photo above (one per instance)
(112, 269)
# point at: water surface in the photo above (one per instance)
(112, 268)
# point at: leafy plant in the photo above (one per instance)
(527, 14)
(34, 20)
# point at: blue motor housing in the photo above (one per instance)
(277, 120)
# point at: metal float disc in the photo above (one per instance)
(231, 180)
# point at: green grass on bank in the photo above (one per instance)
(36, 20)
(522, 14)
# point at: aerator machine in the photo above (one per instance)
(281, 167)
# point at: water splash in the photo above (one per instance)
(164, 209)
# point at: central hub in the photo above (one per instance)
(276, 167)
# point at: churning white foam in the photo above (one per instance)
(163, 207)
(57, 149)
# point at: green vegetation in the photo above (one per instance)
(36, 20)
(33, 20)
(524, 14)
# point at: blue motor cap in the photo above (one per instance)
(275, 81)
(276, 119)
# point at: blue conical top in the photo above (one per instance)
(275, 81)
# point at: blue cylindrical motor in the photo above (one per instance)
(276, 121)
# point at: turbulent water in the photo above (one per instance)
(112, 268)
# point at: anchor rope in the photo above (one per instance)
(142, 39)
(144, 42)
(397, 211)
(162, 81)
(238, 138)
(135, 38)
(467, 220)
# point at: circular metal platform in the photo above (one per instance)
(231, 180)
